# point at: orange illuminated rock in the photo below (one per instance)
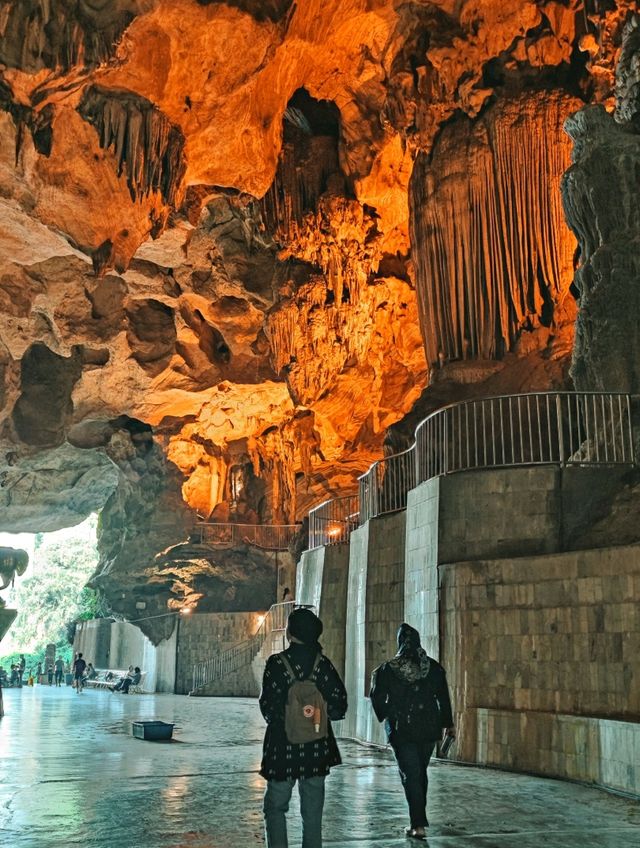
(213, 299)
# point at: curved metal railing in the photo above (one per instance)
(331, 522)
(271, 537)
(541, 428)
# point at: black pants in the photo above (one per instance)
(413, 759)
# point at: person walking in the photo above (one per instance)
(59, 666)
(302, 693)
(79, 666)
(409, 693)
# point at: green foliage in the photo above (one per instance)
(63, 650)
(53, 594)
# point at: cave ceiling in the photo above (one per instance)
(239, 240)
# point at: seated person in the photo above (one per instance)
(91, 672)
(120, 684)
(131, 681)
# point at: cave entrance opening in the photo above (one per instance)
(50, 595)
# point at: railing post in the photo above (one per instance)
(560, 430)
(445, 463)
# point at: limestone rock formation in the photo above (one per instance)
(486, 206)
(599, 197)
(13, 563)
(239, 241)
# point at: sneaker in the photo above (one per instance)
(415, 832)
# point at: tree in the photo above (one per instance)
(55, 593)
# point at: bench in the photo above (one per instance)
(100, 682)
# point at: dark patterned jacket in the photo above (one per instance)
(411, 712)
(281, 759)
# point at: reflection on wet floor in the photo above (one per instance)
(72, 774)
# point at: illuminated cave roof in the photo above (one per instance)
(237, 236)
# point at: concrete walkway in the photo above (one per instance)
(71, 774)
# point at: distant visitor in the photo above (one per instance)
(79, 668)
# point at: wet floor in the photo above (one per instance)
(72, 774)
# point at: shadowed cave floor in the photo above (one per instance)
(71, 774)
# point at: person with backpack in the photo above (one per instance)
(302, 693)
(410, 695)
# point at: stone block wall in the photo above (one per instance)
(322, 583)
(197, 636)
(355, 636)
(93, 639)
(499, 513)
(205, 634)
(421, 569)
(600, 751)
(309, 588)
(118, 644)
(384, 592)
(375, 601)
(540, 639)
(558, 634)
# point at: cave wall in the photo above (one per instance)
(597, 191)
(227, 272)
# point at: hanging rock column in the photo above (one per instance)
(600, 195)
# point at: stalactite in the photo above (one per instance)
(303, 175)
(491, 249)
(341, 239)
(278, 452)
(314, 342)
(59, 35)
(148, 148)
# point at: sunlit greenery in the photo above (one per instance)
(52, 595)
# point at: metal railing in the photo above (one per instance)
(561, 428)
(241, 655)
(271, 537)
(332, 521)
(385, 486)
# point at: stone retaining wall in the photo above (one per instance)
(541, 644)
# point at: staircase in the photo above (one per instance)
(243, 654)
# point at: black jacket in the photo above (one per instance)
(411, 712)
(281, 759)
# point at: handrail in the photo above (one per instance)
(271, 537)
(538, 428)
(241, 655)
(331, 522)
